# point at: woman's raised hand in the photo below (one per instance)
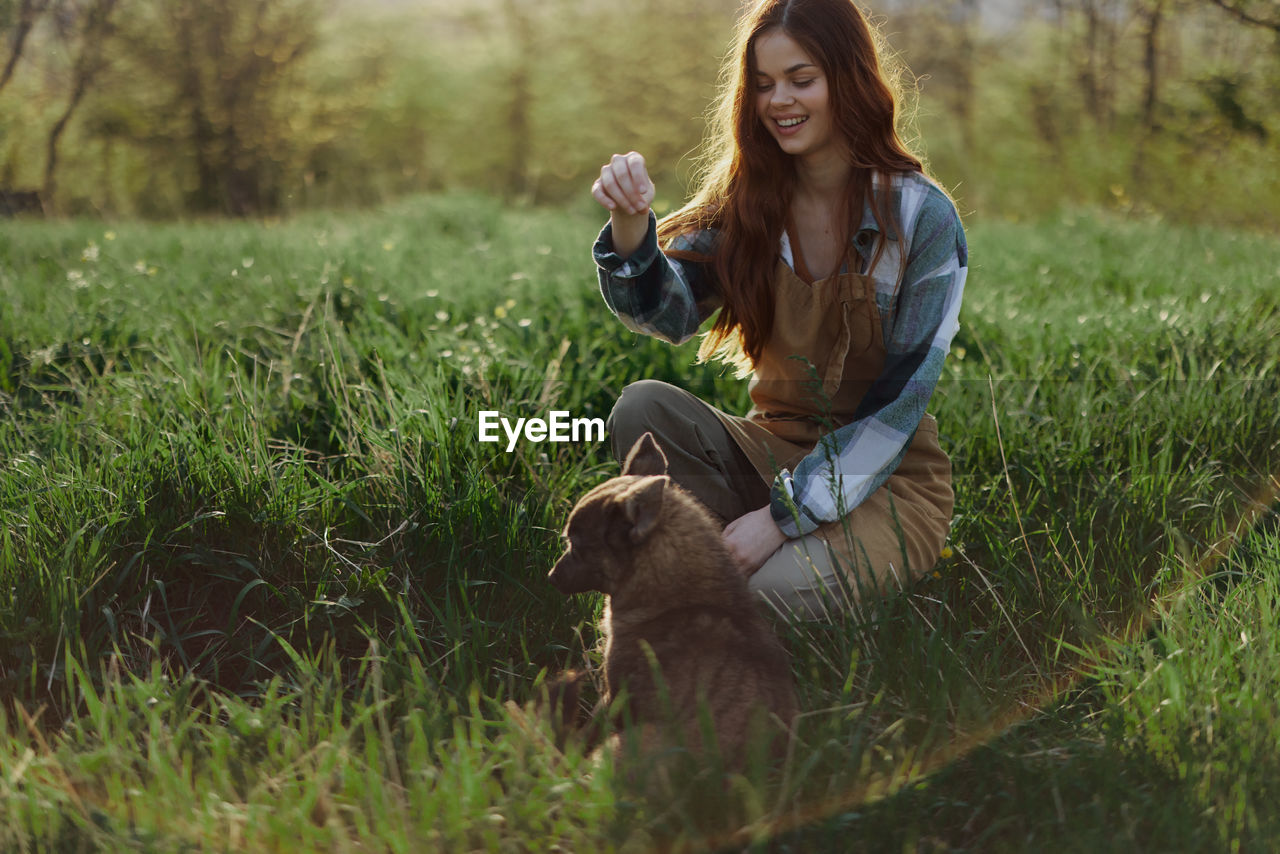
(625, 189)
(624, 186)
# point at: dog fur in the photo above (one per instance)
(676, 609)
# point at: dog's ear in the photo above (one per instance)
(642, 505)
(645, 457)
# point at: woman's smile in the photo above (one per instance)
(789, 125)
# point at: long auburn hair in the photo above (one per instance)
(746, 183)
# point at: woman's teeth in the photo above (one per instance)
(787, 123)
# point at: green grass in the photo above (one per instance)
(261, 586)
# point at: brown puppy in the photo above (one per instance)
(676, 609)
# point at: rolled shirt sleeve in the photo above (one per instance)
(651, 293)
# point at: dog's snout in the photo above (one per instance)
(567, 576)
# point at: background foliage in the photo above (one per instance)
(270, 106)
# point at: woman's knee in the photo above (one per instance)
(644, 406)
(799, 579)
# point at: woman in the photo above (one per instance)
(838, 268)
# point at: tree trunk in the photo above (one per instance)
(28, 12)
(1251, 17)
(51, 155)
(1151, 64)
(518, 130)
(93, 31)
(1089, 72)
(203, 135)
(967, 67)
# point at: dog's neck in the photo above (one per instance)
(640, 606)
(686, 564)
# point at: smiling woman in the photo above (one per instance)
(837, 267)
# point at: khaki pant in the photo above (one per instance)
(891, 538)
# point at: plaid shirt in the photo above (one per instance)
(656, 295)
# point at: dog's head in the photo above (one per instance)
(611, 522)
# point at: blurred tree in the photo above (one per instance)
(368, 111)
(618, 80)
(1224, 91)
(223, 66)
(244, 106)
(966, 16)
(1154, 14)
(1097, 47)
(525, 58)
(18, 19)
(86, 28)
(940, 41)
(1258, 13)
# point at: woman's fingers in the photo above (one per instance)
(620, 169)
(613, 189)
(599, 194)
(642, 187)
(624, 184)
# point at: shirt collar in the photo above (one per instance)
(881, 186)
(864, 239)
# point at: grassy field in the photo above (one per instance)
(261, 586)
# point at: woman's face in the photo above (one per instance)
(791, 96)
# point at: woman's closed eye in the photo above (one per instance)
(799, 84)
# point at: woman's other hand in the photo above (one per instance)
(752, 539)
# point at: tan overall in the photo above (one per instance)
(825, 350)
